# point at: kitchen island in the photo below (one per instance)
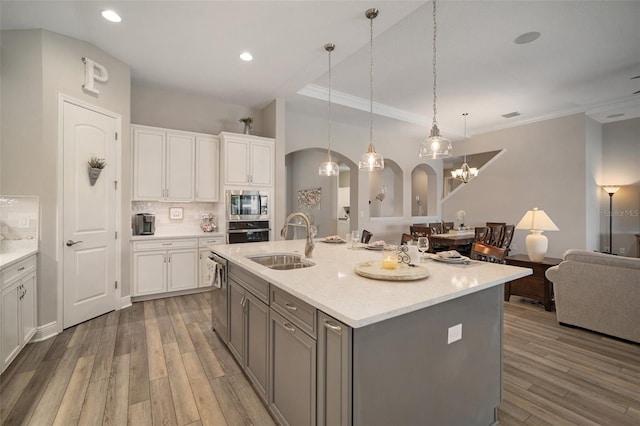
(370, 352)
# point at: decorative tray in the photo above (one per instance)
(373, 269)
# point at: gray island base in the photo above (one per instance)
(324, 346)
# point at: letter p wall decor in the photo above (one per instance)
(93, 72)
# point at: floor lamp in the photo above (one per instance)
(611, 190)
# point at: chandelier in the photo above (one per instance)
(465, 173)
(329, 167)
(371, 160)
(436, 145)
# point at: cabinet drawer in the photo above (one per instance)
(18, 269)
(252, 283)
(204, 242)
(295, 310)
(164, 244)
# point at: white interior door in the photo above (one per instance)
(89, 215)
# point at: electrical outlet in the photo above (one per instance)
(622, 250)
(23, 222)
(454, 334)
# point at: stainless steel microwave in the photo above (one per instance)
(247, 205)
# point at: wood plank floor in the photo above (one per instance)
(158, 362)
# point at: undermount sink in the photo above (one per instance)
(281, 262)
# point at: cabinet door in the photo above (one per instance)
(237, 162)
(207, 169)
(148, 164)
(236, 297)
(292, 373)
(180, 167)
(11, 340)
(183, 269)
(28, 307)
(257, 344)
(149, 272)
(334, 372)
(261, 164)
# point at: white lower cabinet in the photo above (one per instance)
(18, 309)
(161, 266)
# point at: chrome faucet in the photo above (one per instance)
(308, 247)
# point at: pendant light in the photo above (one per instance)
(329, 167)
(435, 146)
(371, 160)
(465, 173)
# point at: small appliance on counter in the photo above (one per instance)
(144, 224)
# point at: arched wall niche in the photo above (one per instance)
(424, 191)
(385, 191)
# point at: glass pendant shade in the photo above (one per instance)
(435, 146)
(328, 168)
(371, 160)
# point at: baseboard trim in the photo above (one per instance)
(125, 302)
(46, 331)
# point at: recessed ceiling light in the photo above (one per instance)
(511, 114)
(527, 37)
(615, 115)
(110, 15)
(246, 56)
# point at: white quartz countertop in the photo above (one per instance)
(8, 259)
(177, 232)
(332, 286)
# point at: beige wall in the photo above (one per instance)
(40, 66)
(274, 124)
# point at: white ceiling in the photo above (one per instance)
(583, 62)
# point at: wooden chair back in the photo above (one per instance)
(366, 236)
(436, 227)
(404, 240)
(494, 236)
(496, 223)
(448, 226)
(507, 236)
(419, 231)
(481, 233)
(487, 253)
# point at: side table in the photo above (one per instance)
(535, 286)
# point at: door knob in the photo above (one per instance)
(71, 243)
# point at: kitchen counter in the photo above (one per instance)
(8, 259)
(177, 232)
(332, 286)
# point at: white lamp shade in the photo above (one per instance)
(536, 221)
(610, 189)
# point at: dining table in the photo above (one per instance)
(453, 240)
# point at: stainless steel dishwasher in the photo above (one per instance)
(219, 297)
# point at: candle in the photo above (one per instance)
(390, 263)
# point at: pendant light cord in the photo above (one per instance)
(329, 150)
(465, 132)
(371, 81)
(435, 96)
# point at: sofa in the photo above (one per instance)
(599, 292)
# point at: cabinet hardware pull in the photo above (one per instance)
(72, 243)
(289, 327)
(21, 268)
(333, 327)
(291, 307)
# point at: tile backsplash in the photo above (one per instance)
(19, 222)
(192, 212)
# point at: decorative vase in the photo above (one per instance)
(94, 173)
(247, 129)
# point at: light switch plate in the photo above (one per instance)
(23, 222)
(454, 334)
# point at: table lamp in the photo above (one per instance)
(536, 221)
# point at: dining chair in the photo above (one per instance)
(366, 236)
(481, 233)
(404, 240)
(447, 226)
(494, 236)
(436, 227)
(487, 253)
(496, 223)
(507, 236)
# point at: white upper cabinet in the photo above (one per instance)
(248, 160)
(172, 165)
(207, 169)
